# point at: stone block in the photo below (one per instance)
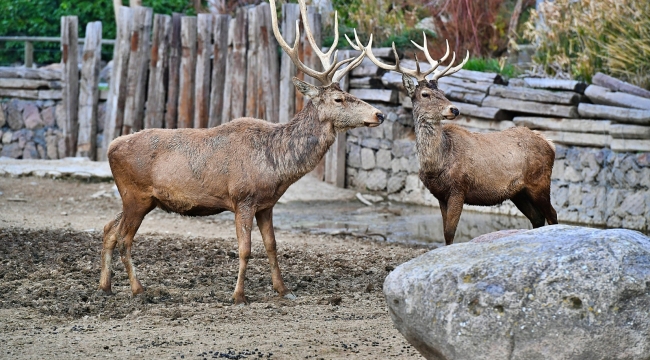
(376, 132)
(635, 222)
(384, 159)
(49, 118)
(396, 182)
(12, 150)
(3, 116)
(643, 159)
(51, 147)
(371, 143)
(367, 159)
(403, 148)
(632, 178)
(644, 177)
(634, 204)
(573, 158)
(354, 156)
(32, 117)
(396, 165)
(376, 180)
(7, 137)
(558, 170)
(571, 174)
(614, 222)
(560, 151)
(413, 164)
(385, 144)
(30, 152)
(14, 116)
(575, 194)
(412, 183)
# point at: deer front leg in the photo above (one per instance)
(450, 221)
(109, 242)
(243, 224)
(265, 223)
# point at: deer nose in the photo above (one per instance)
(380, 117)
(455, 111)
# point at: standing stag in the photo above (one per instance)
(460, 167)
(243, 166)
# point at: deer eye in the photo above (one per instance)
(425, 94)
(338, 100)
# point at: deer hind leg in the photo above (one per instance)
(265, 224)
(450, 221)
(109, 242)
(542, 200)
(129, 226)
(524, 204)
(243, 224)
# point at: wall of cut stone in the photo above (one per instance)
(590, 186)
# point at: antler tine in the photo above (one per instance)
(353, 62)
(434, 63)
(450, 70)
(325, 58)
(368, 49)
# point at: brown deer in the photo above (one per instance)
(243, 166)
(460, 167)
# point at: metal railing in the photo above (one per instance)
(28, 58)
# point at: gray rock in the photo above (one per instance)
(573, 157)
(413, 165)
(30, 152)
(367, 159)
(14, 116)
(7, 137)
(354, 156)
(558, 170)
(403, 148)
(51, 147)
(643, 159)
(375, 180)
(557, 292)
(3, 116)
(388, 129)
(12, 150)
(49, 118)
(59, 114)
(396, 182)
(384, 159)
(560, 151)
(572, 174)
(396, 165)
(32, 117)
(42, 152)
(376, 132)
(634, 204)
(371, 143)
(635, 222)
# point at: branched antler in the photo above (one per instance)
(332, 73)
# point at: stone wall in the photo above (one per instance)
(32, 129)
(591, 186)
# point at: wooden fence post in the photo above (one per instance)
(117, 89)
(312, 61)
(69, 53)
(290, 13)
(89, 91)
(203, 54)
(220, 55)
(155, 113)
(235, 88)
(269, 69)
(137, 69)
(335, 157)
(171, 115)
(252, 63)
(188, 69)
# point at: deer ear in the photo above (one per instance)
(306, 89)
(408, 84)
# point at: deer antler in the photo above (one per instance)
(417, 73)
(332, 73)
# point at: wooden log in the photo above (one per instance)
(556, 84)
(604, 96)
(382, 95)
(187, 72)
(269, 102)
(290, 13)
(235, 95)
(50, 94)
(626, 145)
(530, 107)
(29, 84)
(35, 74)
(70, 56)
(569, 125)
(173, 82)
(253, 66)
(203, 55)
(89, 91)
(117, 89)
(220, 54)
(578, 139)
(19, 93)
(154, 116)
(621, 131)
(475, 123)
(611, 83)
(624, 115)
(484, 112)
(543, 96)
(136, 86)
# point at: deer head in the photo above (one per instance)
(343, 110)
(429, 102)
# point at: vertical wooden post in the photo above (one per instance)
(335, 157)
(89, 91)
(188, 69)
(234, 99)
(220, 55)
(137, 70)
(290, 13)
(313, 62)
(29, 54)
(171, 115)
(269, 68)
(69, 53)
(203, 54)
(252, 64)
(117, 89)
(155, 113)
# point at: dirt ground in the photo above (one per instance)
(50, 242)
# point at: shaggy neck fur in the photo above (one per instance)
(429, 141)
(297, 147)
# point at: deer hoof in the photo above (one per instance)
(102, 292)
(290, 296)
(241, 302)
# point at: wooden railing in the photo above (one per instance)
(28, 57)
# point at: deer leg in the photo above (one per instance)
(454, 209)
(265, 223)
(109, 242)
(542, 200)
(443, 210)
(524, 205)
(243, 224)
(133, 216)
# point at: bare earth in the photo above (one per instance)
(50, 241)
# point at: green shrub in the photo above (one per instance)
(492, 65)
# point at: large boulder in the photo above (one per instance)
(557, 292)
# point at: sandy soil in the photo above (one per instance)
(49, 307)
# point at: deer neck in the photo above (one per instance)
(429, 141)
(303, 143)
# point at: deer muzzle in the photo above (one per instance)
(450, 112)
(379, 119)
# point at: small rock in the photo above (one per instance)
(14, 116)
(32, 117)
(48, 116)
(335, 300)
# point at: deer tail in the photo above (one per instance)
(549, 141)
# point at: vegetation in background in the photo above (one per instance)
(43, 18)
(498, 66)
(583, 37)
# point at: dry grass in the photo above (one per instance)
(587, 36)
